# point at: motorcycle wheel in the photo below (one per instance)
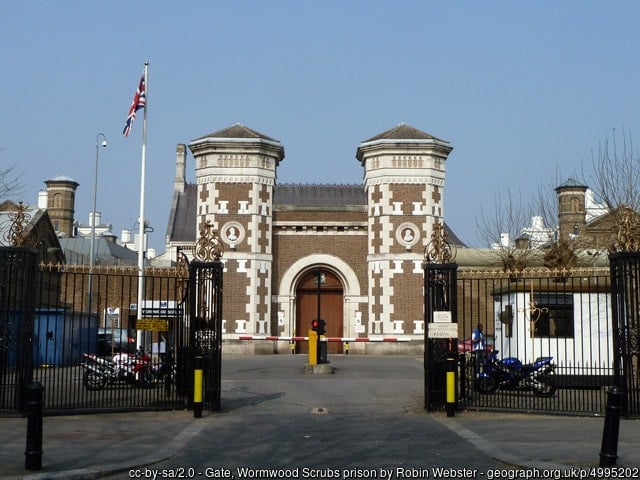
(486, 385)
(93, 380)
(147, 378)
(545, 386)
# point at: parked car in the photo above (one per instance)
(465, 346)
(116, 340)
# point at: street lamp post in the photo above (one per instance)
(92, 254)
(95, 195)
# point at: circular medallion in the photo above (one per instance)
(407, 234)
(232, 233)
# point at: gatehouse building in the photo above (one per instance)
(349, 254)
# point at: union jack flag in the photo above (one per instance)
(139, 101)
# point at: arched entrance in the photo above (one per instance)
(324, 297)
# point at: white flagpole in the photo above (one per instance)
(141, 217)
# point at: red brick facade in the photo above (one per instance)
(370, 239)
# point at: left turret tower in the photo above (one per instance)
(235, 174)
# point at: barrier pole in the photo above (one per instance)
(451, 387)
(346, 348)
(313, 348)
(197, 388)
(322, 349)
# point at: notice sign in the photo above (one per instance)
(152, 324)
(442, 330)
(112, 317)
(442, 317)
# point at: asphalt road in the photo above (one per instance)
(366, 420)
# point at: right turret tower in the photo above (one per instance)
(404, 171)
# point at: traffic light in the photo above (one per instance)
(317, 325)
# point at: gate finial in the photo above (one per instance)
(438, 249)
(209, 246)
(18, 234)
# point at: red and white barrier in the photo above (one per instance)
(275, 338)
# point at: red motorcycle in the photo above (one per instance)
(134, 369)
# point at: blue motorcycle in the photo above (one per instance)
(511, 374)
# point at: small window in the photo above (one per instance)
(554, 316)
(506, 318)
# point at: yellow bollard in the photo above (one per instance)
(451, 387)
(313, 348)
(197, 387)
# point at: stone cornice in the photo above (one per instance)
(213, 178)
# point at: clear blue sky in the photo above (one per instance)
(524, 91)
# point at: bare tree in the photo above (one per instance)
(11, 183)
(617, 173)
(617, 185)
(501, 229)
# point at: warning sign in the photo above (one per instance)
(442, 317)
(153, 324)
(442, 330)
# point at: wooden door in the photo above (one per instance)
(330, 297)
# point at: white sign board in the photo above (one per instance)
(442, 330)
(442, 317)
(112, 317)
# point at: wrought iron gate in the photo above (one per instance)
(440, 292)
(440, 296)
(73, 330)
(205, 312)
(17, 312)
(205, 305)
(625, 288)
(58, 322)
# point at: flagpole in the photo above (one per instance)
(141, 247)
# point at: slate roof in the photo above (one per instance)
(236, 131)
(573, 183)
(77, 250)
(404, 132)
(61, 178)
(452, 238)
(182, 219)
